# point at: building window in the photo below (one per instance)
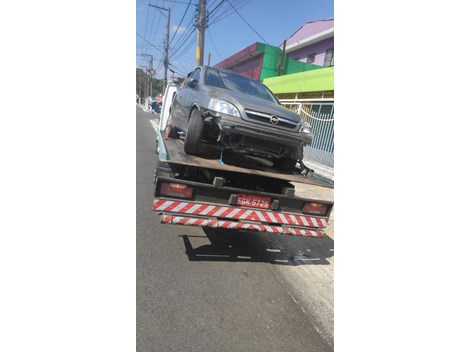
(329, 59)
(311, 58)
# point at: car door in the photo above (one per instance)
(176, 113)
(186, 100)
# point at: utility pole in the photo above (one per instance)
(201, 25)
(167, 43)
(150, 71)
(146, 86)
(283, 59)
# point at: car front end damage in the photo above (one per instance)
(245, 134)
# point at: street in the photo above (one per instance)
(207, 290)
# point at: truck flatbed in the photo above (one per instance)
(172, 152)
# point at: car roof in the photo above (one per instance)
(225, 70)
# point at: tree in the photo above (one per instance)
(141, 83)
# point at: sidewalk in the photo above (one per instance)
(143, 107)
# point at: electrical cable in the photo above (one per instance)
(248, 23)
(182, 18)
(213, 45)
(149, 43)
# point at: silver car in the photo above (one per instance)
(221, 107)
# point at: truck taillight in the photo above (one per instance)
(315, 208)
(176, 189)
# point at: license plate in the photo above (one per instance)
(248, 200)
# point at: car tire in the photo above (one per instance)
(286, 163)
(194, 134)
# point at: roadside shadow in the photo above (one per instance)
(248, 246)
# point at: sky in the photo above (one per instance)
(272, 21)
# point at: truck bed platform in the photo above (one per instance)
(172, 151)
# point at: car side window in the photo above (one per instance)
(212, 78)
(196, 74)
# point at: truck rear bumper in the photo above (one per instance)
(238, 225)
(235, 217)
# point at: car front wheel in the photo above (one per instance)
(195, 128)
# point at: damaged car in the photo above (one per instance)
(224, 108)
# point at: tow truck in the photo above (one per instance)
(231, 191)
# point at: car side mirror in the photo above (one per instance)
(192, 83)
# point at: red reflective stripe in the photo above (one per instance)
(253, 216)
(226, 212)
(266, 216)
(186, 208)
(200, 209)
(239, 225)
(309, 220)
(166, 218)
(308, 233)
(299, 220)
(292, 220)
(213, 211)
(157, 204)
(172, 206)
(263, 216)
(288, 219)
(183, 220)
(239, 214)
(279, 220)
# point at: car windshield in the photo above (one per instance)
(233, 81)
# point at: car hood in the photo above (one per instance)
(244, 101)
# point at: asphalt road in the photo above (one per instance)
(210, 291)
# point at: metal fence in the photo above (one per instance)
(320, 115)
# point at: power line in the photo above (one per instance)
(182, 18)
(177, 2)
(186, 48)
(219, 13)
(158, 24)
(188, 36)
(213, 45)
(151, 27)
(145, 32)
(184, 36)
(153, 46)
(177, 71)
(247, 23)
(215, 9)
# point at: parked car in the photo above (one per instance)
(222, 107)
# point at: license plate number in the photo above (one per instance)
(248, 200)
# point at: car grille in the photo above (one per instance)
(266, 118)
